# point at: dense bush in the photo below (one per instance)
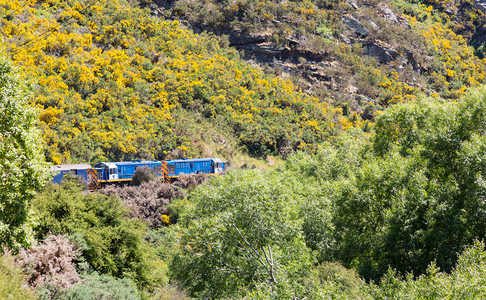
(13, 282)
(147, 202)
(466, 281)
(413, 191)
(104, 287)
(22, 170)
(114, 244)
(50, 265)
(408, 197)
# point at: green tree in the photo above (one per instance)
(22, 167)
(418, 196)
(466, 281)
(243, 231)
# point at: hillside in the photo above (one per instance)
(359, 55)
(123, 80)
(372, 114)
(113, 82)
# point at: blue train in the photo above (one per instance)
(119, 172)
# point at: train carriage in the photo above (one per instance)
(207, 166)
(60, 171)
(124, 170)
(119, 172)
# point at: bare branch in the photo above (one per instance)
(254, 252)
(270, 263)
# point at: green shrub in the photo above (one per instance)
(346, 278)
(115, 244)
(466, 281)
(143, 174)
(103, 287)
(12, 280)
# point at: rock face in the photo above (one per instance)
(480, 4)
(356, 26)
(389, 15)
(382, 54)
(315, 60)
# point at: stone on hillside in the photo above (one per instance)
(389, 14)
(481, 5)
(382, 54)
(355, 25)
(353, 4)
(351, 89)
(345, 39)
(373, 24)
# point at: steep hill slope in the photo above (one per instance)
(361, 55)
(113, 82)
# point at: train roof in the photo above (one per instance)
(70, 167)
(128, 163)
(136, 162)
(194, 160)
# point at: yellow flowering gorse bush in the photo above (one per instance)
(110, 81)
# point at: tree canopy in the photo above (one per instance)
(409, 197)
(244, 230)
(22, 169)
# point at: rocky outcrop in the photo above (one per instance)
(356, 26)
(239, 39)
(389, 14)
(382, 54)
(480, 4)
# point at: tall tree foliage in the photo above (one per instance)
(243, 231)
(413, 194)
(22, 170)
(410, 194)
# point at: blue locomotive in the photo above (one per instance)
(118, 172)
